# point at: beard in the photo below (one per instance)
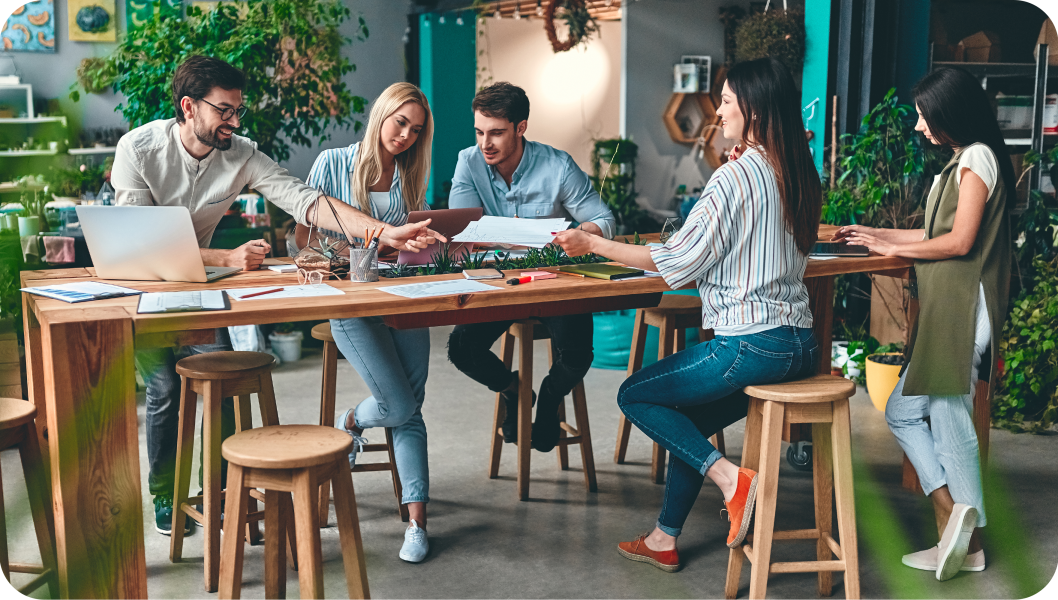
(212, 139)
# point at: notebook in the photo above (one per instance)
(601, 271)
(165, 302)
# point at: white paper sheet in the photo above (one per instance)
(82, 291)
(284, 268)
(814, 257)
(289, 291)
(438, 288)
(535, 233)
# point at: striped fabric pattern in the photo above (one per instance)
(332, 174)
(737, 248)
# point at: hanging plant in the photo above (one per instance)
(579, 22)
(772, 33)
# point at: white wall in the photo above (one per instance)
(658, 33)
(574, 96)
(379, 62)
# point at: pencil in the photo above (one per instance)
(263, 292)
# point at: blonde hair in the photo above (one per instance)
(413, 163)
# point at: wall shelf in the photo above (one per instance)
(33, 121)
(100, 150)
(28, 152)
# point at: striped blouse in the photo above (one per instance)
(332, 174)
(736, 246)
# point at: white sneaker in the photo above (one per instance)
(955, 541)
(415, 545)
(358, 441)
(926, 560)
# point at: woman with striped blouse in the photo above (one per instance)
(385, 176)
(746, 245)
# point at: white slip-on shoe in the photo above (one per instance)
(415, 544)
(926, 560)
(955, 541)
(358, 441)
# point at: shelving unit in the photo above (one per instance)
(1040, 75)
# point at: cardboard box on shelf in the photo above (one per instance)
(1048, 36)
(1014, 112)
(982, 46)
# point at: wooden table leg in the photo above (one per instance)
(35, 380)
(821, 302)
(90, 391)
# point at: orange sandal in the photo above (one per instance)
(740, 508)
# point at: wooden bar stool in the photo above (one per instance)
(823, 401)
(292, 459)
(216, 375)
(675, 314)
(322, 332)
(526, 331)
(17, 430)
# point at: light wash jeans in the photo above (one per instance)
(394, 364)
(945, 452)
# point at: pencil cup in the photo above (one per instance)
(363, 264)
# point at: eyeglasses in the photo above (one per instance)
(314, 277)
(227, 113)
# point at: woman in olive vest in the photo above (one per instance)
(962, 260)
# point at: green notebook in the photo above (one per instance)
(601, 271)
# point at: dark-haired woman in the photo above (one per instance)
(962, 260)
(746, 245)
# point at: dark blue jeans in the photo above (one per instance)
(682, 400)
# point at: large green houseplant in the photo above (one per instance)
(614, 177)
(290, 51)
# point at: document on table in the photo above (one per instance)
(535, 233)
(283, 268)
(288, 291)
(438, 288)
(162, 302)
(81, 291)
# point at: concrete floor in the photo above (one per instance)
(562, 543)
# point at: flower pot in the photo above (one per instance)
(286, 345)
(882, 379)
(28, 226)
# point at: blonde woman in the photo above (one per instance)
(385, 176)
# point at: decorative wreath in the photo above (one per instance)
(579, 21)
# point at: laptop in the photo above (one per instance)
(838, 249)
(145, 243)
(448, 222)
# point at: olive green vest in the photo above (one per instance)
(942, 341)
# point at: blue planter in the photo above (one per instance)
(613, 338)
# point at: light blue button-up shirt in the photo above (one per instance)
(546, 184)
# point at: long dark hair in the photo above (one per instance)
(958, 114)
(771, 106)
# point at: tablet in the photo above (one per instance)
(838, 249)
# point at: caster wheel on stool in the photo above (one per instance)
(799, 455)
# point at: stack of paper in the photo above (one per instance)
(535, 233)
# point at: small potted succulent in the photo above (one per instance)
(286, 342)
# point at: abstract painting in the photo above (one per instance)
(91, 21)
(140, 12)
(31, 28)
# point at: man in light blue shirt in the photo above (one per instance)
(510, 176)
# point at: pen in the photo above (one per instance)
(263, 292)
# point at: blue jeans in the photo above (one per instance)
(394, 363)
(157, 366)
(682, 400)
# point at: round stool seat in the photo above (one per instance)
(15, 413)
(817, 388)
(287, 446)
(223, 365)
(322, 332)
(678, 303)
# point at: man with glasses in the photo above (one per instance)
(510, 176)
(173, 163)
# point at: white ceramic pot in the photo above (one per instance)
(839, 354)
(286, 345)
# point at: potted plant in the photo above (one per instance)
(286, 342)
(882, 369)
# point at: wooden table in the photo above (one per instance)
(81, 377)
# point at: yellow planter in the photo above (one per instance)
(881, 380)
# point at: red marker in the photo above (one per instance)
(519, 280)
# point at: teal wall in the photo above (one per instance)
(447, 75)
(814, 76)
